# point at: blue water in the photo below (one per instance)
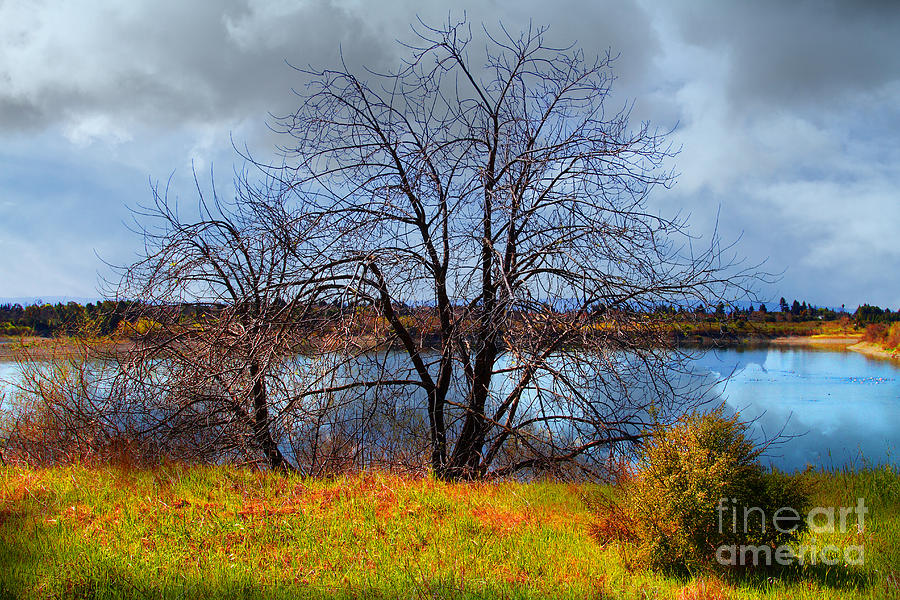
(832, 408)
(842, 407)
(8, 373)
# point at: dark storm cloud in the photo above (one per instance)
(172, 62)
(17, 113)
(807, 52)
(163, 63)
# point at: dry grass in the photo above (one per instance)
(704, 589)
(199, 532)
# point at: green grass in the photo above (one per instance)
(198, 532)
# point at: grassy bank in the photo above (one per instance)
(882, 340)
(199, 532)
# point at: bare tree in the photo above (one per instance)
(227, 304)
(503, 200)
(453, 264)
(64, 405)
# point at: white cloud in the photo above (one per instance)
(86, 129)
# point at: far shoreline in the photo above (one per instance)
(874, 350)
(39, 348)
(852, 342)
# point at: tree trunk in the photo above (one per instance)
(262, 432)
(467, 455)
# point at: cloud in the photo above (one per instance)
(163, 63)
(169, 63)
(787, 113)
(796, 53)
(788, 118)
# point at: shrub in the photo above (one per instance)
(884, 334)
(876, 332)
(699, 486)
(892, 338)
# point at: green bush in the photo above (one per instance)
(692, 480)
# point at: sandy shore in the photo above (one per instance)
(824, 341)
(839, 342)
(874, 350)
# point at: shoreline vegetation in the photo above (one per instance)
(124, 339)
(46, 331)
(874, 350)
(851, 342)
(803, 334)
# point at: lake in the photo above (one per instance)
(840, 408)
(843, 406)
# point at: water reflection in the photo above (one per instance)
(843, 407)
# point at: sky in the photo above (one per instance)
(787, 115)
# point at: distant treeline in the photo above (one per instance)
(106, 318)
(47, 320)
(866, 315)
(796, 311)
